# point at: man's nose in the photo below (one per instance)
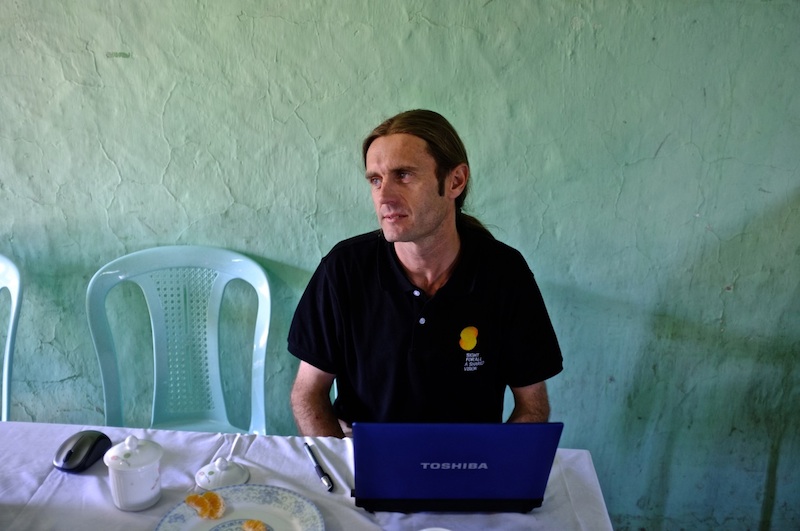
(386, 192)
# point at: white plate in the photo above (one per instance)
(281, 509)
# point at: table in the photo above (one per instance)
(35, 495)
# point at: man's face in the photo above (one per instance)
(405, 192)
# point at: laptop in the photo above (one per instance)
(453, 467)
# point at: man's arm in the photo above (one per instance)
(311, 403)
(530, 403)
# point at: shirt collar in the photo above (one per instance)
(392, 277)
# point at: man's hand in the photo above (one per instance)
(530, 403)
(311, 403)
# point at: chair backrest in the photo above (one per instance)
(183, 287)
(10, 280)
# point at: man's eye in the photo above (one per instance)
(375, 182)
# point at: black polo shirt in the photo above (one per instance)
(400, 356)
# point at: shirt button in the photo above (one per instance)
(416, 293)
(421, 320)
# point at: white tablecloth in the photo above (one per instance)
(35, 495)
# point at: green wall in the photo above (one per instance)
(643, 155)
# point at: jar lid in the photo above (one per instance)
(221, 473)
(133, 453)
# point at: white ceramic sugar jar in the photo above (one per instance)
(134, 474)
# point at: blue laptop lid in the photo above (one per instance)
(453, 467)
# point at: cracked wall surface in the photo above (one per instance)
(643, 156)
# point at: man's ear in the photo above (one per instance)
(457, 180)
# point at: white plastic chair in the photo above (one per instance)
(183, 287)
(10, 280)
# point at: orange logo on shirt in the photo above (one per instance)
(469, 338)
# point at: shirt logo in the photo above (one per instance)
(468, 341)
(469, 338)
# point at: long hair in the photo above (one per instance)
(443, 144)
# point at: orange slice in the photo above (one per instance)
(198, 503)
(217, 504)
(208, 505)
(254, 525)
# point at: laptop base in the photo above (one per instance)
(411, 505)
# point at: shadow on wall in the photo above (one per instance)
(712, 409)
(287, 284)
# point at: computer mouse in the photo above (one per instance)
(81, 450)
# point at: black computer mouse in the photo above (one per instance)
(81, 450)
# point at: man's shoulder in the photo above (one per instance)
(491, 248)
(356, 245)
(354, 252)
(355, 259)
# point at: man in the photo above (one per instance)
(428, 319)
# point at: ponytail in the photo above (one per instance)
(471, 223)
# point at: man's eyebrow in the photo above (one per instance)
(397, 169)
(403, 169)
